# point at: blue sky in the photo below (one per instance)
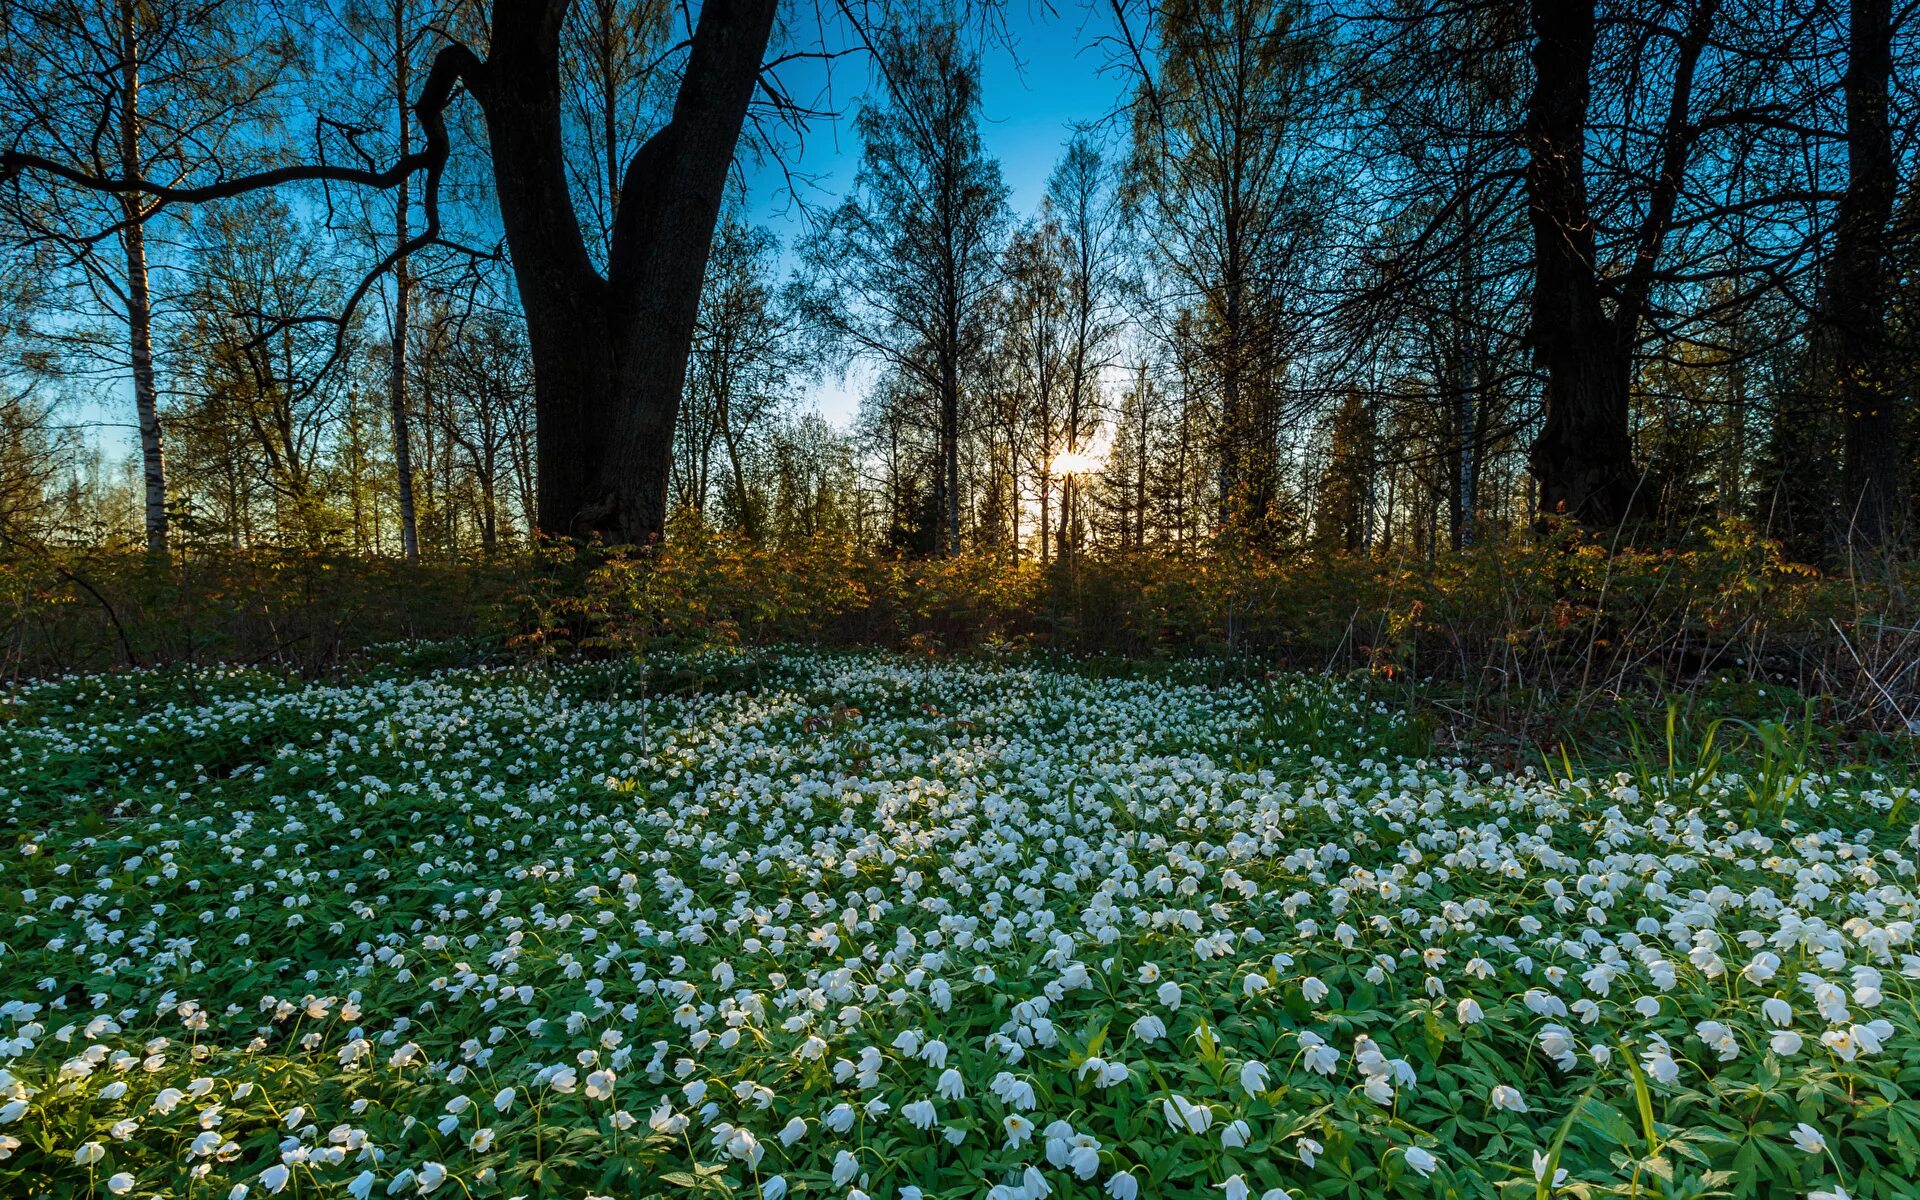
(1034, 93)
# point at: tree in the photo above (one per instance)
(1859, 283)
(1033, 333)
(1083, 211)
(1583, 456)
(106, 90)
(487, 414)
(268, 389)
(609, 347)
(1224, 169)
(748, 347)
(390, 40)
(1343, 513)
(1441, 261)
(905, 269)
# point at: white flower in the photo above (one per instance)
(1540, 1164)
(600, 1085)
(1809, 1139)
(430, 1176)
(1556, 1042)
(774, 1188)
(503, 1100)
(1467, 1012)
(951, 1085)
(1507, 1099)
(1121, 1185)
(1083, 1159)
(1313, 989)
(664, 1120)
(275, 1177)
(1034, 1185)
(1319, 1057)
(1185, 1116)
(1421, 1161)
(793, 1131)
(1657, 1061)
(1018, 1128)
(742, 1145)
(1253, 1077)
(845, 1166)
(920, 1114)
(89, 1154)
(120, 1183)
(1718, 1038)
(1235, 1188)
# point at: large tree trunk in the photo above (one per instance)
(610, 354)
(146, 394)
(1857, 287)
(1583, 457)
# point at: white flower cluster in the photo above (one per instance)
(882, 929)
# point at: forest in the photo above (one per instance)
(1386, 278)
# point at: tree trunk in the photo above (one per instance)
(1857, 287)
(950, 447)
(146, 394)
(1583, 456)
(742, 509)
(402, 298)
(1013, 478)
(610, 354)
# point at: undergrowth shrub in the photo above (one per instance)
(1510, 625)
(1511, 630)
(86, 610)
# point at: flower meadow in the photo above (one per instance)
(862, 927)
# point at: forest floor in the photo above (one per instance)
(865, 926)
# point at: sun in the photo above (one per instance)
(1089, 461)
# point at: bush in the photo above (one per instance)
(1509, 631)
(80, 610)
(1511, 625)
